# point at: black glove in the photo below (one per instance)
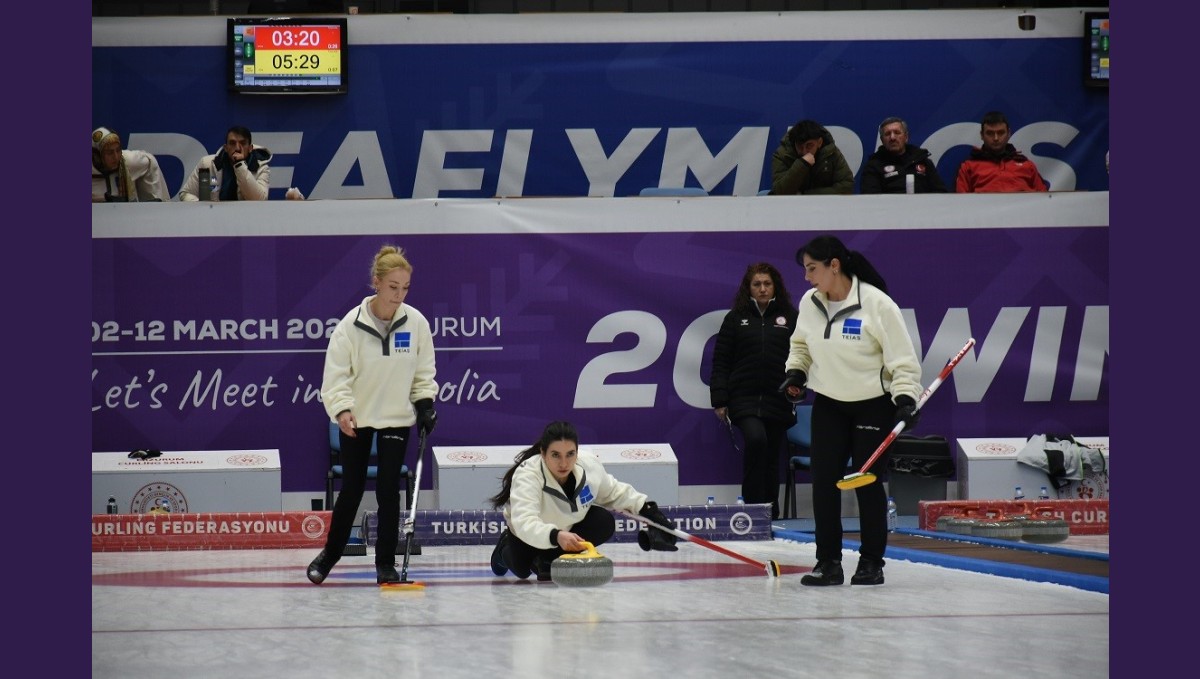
(426, 416)
(906, 412)
(795, 378)
(653, 538)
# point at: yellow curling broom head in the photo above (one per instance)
(851, 481)
(402, 586)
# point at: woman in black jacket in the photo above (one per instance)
(748, 357)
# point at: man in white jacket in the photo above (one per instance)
(239, 171)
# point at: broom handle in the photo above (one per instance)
(410, 523)
(937, 382)
(692, 538)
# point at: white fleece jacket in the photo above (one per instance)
(537, 503)
(379, 378)
(863, 352)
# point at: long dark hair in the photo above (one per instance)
(828, 248)
(555, 431)
(743, 301)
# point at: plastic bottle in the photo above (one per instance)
(112, 505)
(214, 187)
(892, 514)
(1019, 494)
(1044, 494)
(741, 500)
(711, 501)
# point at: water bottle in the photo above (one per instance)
(740, 500)
(892, 514)
(214, 188)
(711, 501)
(1019, 494)
(112, 505)
(1044, 494)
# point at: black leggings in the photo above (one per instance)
(355, 458)
(849, 432)
(597, 527)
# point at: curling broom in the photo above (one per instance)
(865, 478)
(409, 528)
(771, 567)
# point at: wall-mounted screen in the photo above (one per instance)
(1095, 40)
(287, 55)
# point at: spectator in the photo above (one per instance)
(242, 170)
(555, 498)
(747, 362)
(889, 168)
(124, 176)
(809, 162)
(997, 166)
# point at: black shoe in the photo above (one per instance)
(824, 574)
(542, 568)
(386, 573)
(319, 569)
(868, 573)
(498, 567)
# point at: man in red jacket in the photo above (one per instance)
(997, 167)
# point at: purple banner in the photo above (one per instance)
(217, 342)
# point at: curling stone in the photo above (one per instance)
(1045, 527)
(999, 529)
(960, 523)
(588, 568)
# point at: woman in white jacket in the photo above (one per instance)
(555, 498)
(852, 349)
(378, 382)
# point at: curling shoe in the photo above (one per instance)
(385, 573)
(826, 573)
(498, 567)
(869, 572)
(542, 568)
(319, 569)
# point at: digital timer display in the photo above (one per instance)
(288, 56)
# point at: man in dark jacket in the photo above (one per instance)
(809, 162)
(889, 169)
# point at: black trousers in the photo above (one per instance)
(849, 432)
(761, 460)
(356, 457)
(597, 527)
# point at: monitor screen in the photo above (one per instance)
(1095, 41)
(287, 55)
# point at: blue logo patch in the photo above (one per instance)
(402, 340)
(852, 327)
(585, 495)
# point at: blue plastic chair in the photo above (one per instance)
(335, 466)
(799, 441)
(672, 191)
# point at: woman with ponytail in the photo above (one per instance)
(852, 349)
